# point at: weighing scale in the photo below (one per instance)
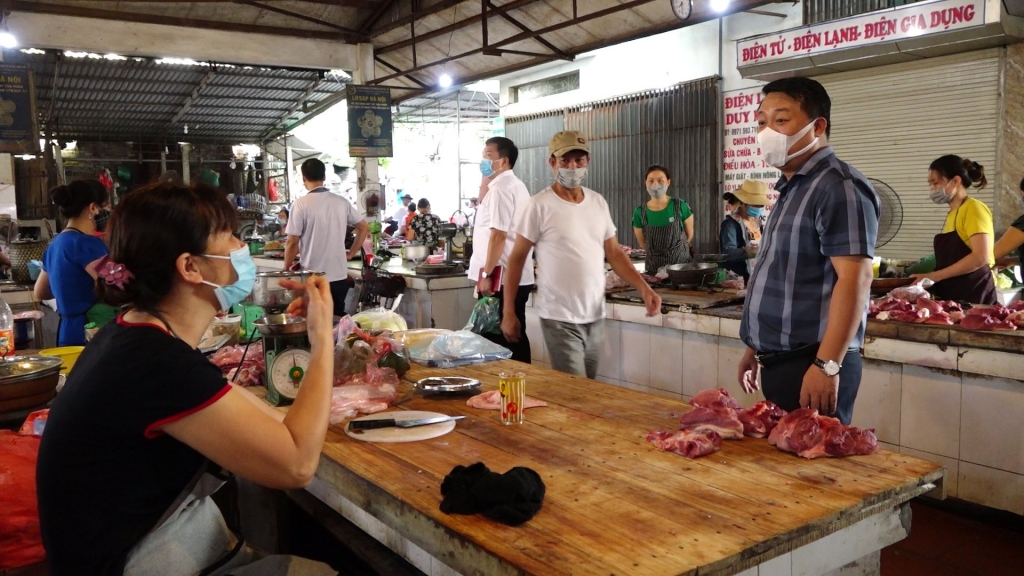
(285, 341)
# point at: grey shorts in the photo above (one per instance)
(574, 348)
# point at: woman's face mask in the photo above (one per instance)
(940, 196)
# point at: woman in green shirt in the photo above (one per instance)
(663, 225)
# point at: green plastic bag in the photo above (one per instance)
(486, 317)
(922, 266)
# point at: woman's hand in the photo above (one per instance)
(918, 279)
(315, 305)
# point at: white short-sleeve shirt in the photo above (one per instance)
(320, 220)
(505, 199)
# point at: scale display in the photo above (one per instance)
(288, 371)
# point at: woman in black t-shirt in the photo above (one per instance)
(135, 440)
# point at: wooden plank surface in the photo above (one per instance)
(614, 503)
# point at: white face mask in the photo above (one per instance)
(571, 177)
(939, 195)
(657, 190)
(775, 145)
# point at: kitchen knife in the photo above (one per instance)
(392, 423)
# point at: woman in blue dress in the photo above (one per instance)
(69, 263)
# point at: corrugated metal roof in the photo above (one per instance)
(144, 100)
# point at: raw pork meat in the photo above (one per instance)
(903, 315)
(932, 306)
(1016, 306)
(939, 318)
(689, 443)
(760, 419)
(873, 309)
(983, 322)
(715, 398)
(997, 312)
(889, 303)
(1016, 318)
(352, 399)
(250, 373)
(718, 419)
(811, 435)
(492, 401)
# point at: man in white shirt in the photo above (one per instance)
(494, 237)
(572, 231)
(398, 218)
(318, 223)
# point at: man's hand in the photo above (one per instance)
(819, 391)
(485, 287)
(510, 327)
(652, 301)
(748, 372)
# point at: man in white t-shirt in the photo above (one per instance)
(318, 223)
(398, 218)
(572, 231)
(494, 237)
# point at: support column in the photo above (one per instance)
(289, 169)
(1010, 151)
(185, 176)
(163, 162)
(366, 168)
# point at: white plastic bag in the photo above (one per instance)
(380, 319)
(447, 349)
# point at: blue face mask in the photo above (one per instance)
(755, 211)
(486, 169)
(245, 268)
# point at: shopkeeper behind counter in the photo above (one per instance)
(663, 225)
(963, 251)
(69, 263)
(740, 233)
(1011, 242)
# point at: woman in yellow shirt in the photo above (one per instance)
(963, 251)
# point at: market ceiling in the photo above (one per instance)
(416, 41)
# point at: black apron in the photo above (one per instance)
(976, 287)
(666, 245)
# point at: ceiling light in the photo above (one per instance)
(445, 81)
(7, 40)
(719, 5)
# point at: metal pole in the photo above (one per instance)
(163, 162)
(186, 177)
(458, 140)
(289, 161)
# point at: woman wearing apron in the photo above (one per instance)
(139, 437)
(663, 225)
(740, 233)
(963, 251)
(1010, 246)
(69, 273)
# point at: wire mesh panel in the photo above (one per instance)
(531, 135)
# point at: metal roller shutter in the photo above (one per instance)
(891, 122)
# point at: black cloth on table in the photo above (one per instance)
(511, 498)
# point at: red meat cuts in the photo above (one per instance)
(889, 303)
(949, 306)
(998, 312)
(689, 443)
(760, 419)
(1016, 306)
(939, 318)
(1016, 318)
(718, 419)
(932, 306)
(982, 322)
(811, 435)
(873, 309)
(903, 315)
(492, 401)
(715, 397)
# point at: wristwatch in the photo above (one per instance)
(830, 368)
(486, 275)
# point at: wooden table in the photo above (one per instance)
(614, 503)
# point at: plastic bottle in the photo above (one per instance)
(6, 330)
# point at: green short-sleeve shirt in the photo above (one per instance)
(662, 218)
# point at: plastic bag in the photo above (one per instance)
(612, 280)
(913, 292)
(353, 399)
(380, 319)
(486, 316)
(21, 543)
(446, 349)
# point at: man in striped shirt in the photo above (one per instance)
(806, 308)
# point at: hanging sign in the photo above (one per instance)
(17, 133)
(369, 122)
(741, 156)
(908, 21)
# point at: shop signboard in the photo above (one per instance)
(17, 132)
(741, 156)
(369, 122)
(905, 22)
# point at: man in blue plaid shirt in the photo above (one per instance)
(806, 307)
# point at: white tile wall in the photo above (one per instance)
(991, 363)
(729, 328)
(991, 487)
(930, 415)
(952, 467)
(991, 433)
(610, 366)
(840, 548)
(664, 393)
(538, 350)
(693, 322)
(778, 566)
(930, 355)
(636, 353)
(635, 314)
(666, 360)
(730, 351)
(700, 362)
(878, 400)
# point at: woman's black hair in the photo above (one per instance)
(423, 203)
(1022, 185)
(657, 168)
(731, 198)
(151, 228)
(75, 197)
(285, 210)
(412, 207)
(951, 166)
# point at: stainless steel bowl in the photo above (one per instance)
(415, 252)
(290, 327)
(269, 293)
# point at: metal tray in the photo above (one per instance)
(447, 385)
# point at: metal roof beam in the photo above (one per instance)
(355, 34)
(450, 28)
(394, 68)
(191, 99)
(415, 16)
(503, 12)
(298, 104)
(66, 103)
(519, 38)
(372, 19)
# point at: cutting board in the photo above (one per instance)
(402, 434)
(694, 299)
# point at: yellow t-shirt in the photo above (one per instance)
(972, 217)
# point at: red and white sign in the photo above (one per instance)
(908, 21)
(741, 156)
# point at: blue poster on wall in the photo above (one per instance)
(17, 133)
(369, 122)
